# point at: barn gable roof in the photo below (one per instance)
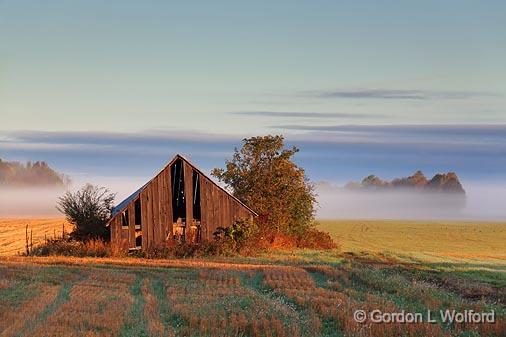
(122, 205)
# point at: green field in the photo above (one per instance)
(434, 241)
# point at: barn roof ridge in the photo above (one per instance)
(122, 205)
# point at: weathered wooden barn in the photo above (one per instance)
(180, 203)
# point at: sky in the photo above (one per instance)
(110, 91)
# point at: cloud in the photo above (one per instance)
(335, 152)
(433, 140)
(397, 94)
(473, 130)
(323, 115)
(115, 153)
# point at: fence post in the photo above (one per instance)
(26, 241)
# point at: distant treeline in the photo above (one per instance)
(441, 182)
(39, 174)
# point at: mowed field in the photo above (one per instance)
(60, 296)
(279, 293)
(13, 232)
(426, 240)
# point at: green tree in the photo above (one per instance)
(263, 175)
(88, 210)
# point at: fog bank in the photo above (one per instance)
(482, 202)
(29, 202)
(41, 201)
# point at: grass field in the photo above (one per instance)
(384, 265)
(428, 240)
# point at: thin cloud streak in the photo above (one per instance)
(328, 152)
(468, 130)
(323, 115)
(396, 94)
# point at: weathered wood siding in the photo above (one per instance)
(217, 207)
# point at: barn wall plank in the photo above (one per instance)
(209, 212)
(145, 224)
(230, 208)
(124, 237)
(131, 225)
(116, 234)
(144, 217)
(156, 209)
(114, 240)
(168, 201)
(216, 208)
(203, 207)
(188, 194)
(162, 206)
(210, 215)
(150, 215)
(223, 210)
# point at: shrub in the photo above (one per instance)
(240, 235)
(71, 247)
(316, 239)
(311, 239)
(181, 250)
(88, 210)
(228, 241)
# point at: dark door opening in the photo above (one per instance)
(196, 196)
(138, 214)
(138, 223)
(138, 241)
(124, 220)
(178, 199)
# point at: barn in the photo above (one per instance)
(180, 203)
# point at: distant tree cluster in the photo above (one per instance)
(441, 182)
(37, 173)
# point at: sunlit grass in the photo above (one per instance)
(437, 241)
(13, 232)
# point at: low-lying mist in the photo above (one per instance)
(41, 201)
(481, 202)
(29, 201)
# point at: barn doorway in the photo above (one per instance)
(138, 223)
(178, 196)
(195, 227)
(138, 241)
(196, 195)
(178, 201)
(183, 229)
